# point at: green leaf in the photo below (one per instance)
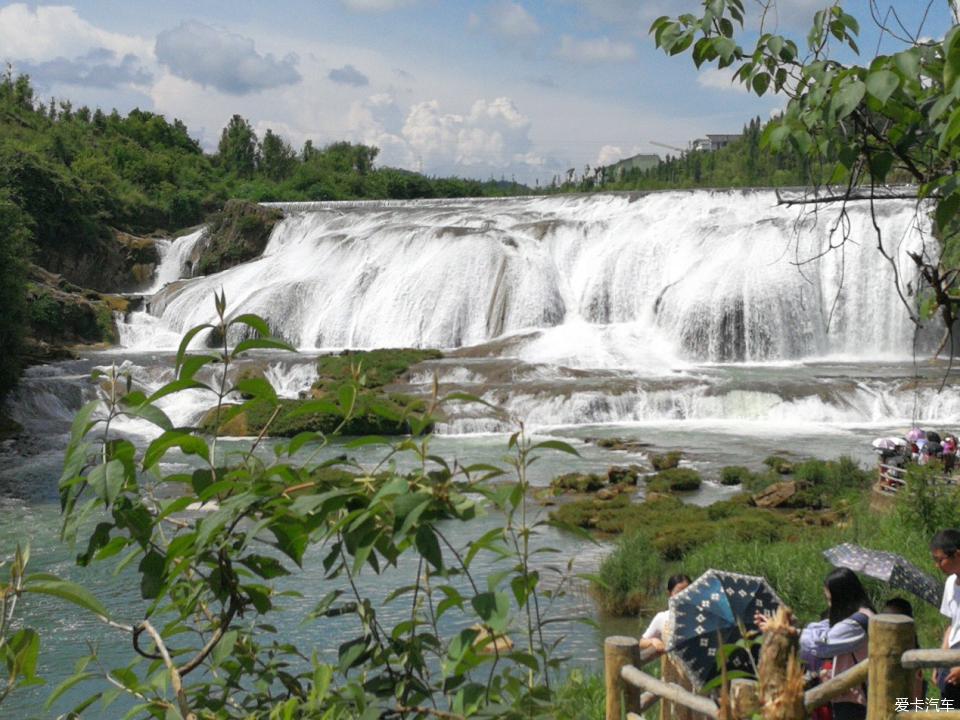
(493, 608)
(253, 321)
(66, 685)
(187, 338)
(262, 344)
(107, 481)
(175, 387)
(151, 575)
(65, 590)
(81, 422)
(556, 445)
(187, 443)
(264, 566)
(881, 84)
(429, 547)
(760, 83)
(847, 98)
(256, 387)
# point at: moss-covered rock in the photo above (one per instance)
(114, 262)
(665, 461)
(735, 475)
(237, 234)
(779, 464)
(675, 480)
(578, 482)
(61, 313)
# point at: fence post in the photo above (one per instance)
(887, 680)
(619, 651)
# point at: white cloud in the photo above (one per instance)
(609, 154)
(716, 79)
(493, 136)
(595, 50)
(375, 6)
(223, 60)
(510, 20)
(46, 33)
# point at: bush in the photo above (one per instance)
(778, 464)
(666, 461)
(675, 480)
(734, 475)
(578, 482)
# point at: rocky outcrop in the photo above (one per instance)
(119, 262)
(237, 234)
(63, 314)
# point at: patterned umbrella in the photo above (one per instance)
(714, 610)
(889, 567)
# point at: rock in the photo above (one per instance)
(776, 495)
(577, 482)
(666, 461)
(237, 234)
(117, 262)
(619, 444)
(619, 474)
(607, 493)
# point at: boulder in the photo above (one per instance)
(776, 495)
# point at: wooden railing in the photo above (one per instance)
(888, 673)
(891, 479)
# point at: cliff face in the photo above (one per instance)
(118, 262)
(62, 314)
(235, 235)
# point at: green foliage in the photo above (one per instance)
(14, 232)
(779, 464)
(674, 480)
(735, 475)
(209, 578)
(666, 461)
(578, 482)
(581, 697)
(630, 575)
(926, 502)
(376, 367)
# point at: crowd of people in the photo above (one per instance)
(918, 446)
(839, 640)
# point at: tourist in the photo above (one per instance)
(949, 452)
(944, 547)
(902, 606)
(841, 638)
(653, 636)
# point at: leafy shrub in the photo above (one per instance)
(666, 461)
(778, 464)
(675, 480)
(734, 475)
(578, 482)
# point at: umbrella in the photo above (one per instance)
(884, 444)
(893, 569)
(713, 611)
(915, 434)
(933, 436)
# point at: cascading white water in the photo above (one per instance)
(601, 281)
(174, 259)
(600, 309)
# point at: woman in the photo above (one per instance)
(653, 636)
(842, 638)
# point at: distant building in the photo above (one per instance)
(636, 162)
(721, 141)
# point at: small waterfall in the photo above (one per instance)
(291, 379)
(175, 262)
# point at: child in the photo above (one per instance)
(900, 606)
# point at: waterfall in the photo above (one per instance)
(607, 280)
(175, 260)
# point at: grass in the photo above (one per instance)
(675, 480)
(581, 697)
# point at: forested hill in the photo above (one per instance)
(76, 183)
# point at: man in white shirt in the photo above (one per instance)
(657, 632)
(945, 548)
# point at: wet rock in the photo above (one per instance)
(237, 234)
(665, 461)
(617, 474)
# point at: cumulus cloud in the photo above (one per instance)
(716, 79)
(493, 135)
(608, 155)
(45, 33)
(374, 6)
(222, 60)
(594, 50)
(99, 67)
(507, 19)
(348, 75)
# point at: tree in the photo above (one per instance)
(14, 235)
(859, 124)
(238, 147)
(277, 158)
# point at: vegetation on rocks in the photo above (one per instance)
(376, 411)
(674, 480)
(665, 461)
(234, 235)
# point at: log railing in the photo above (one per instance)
(888, 673)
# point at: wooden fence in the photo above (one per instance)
(888, 671)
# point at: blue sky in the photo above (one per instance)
(513, 88)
